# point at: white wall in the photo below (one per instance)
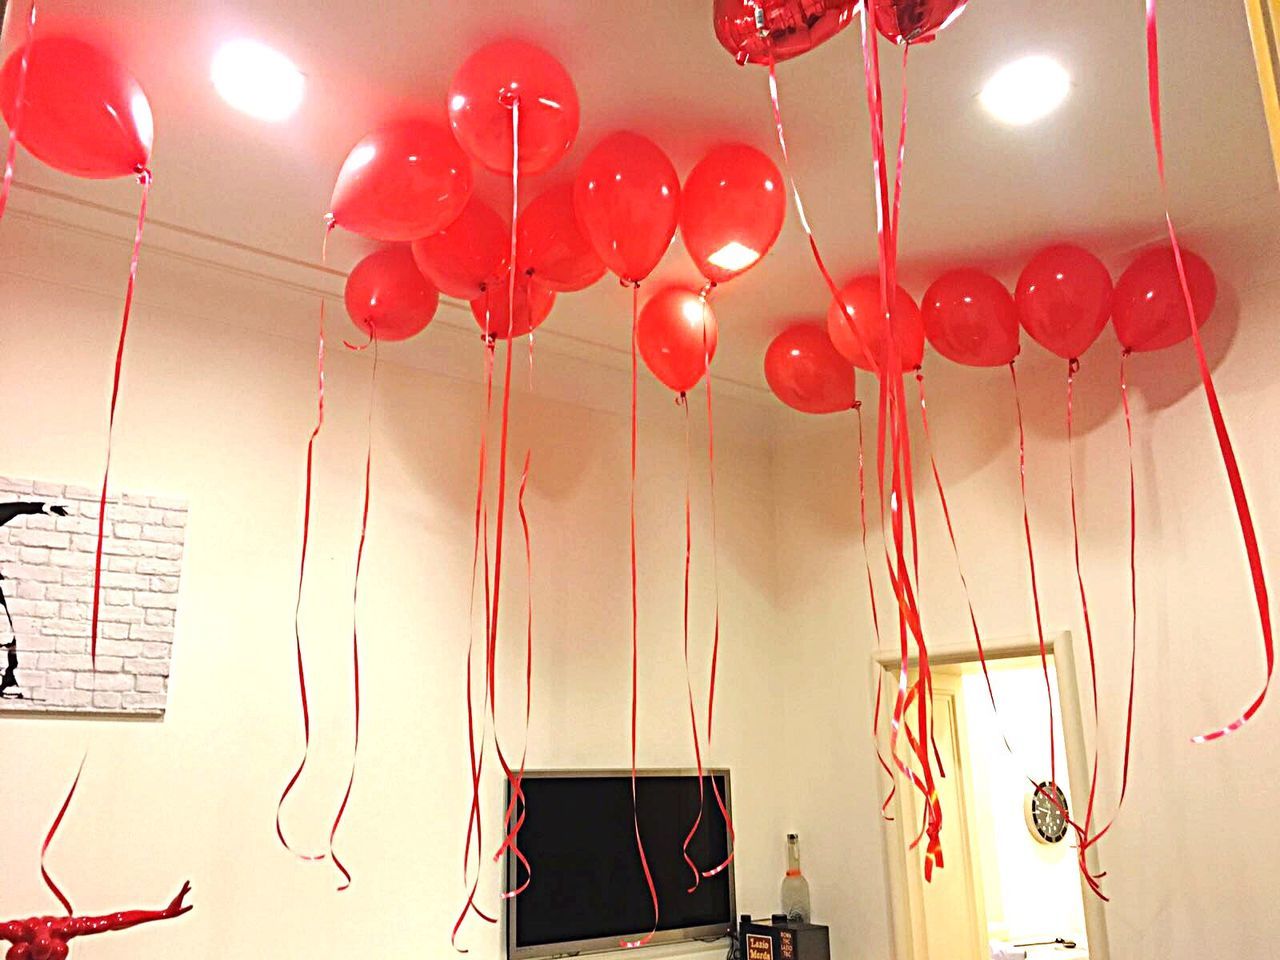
(1189, 862)
(1031, 889)
(216, 405)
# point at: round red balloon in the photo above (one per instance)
(1149, 308)
(627, 197)
(756, 30)
(970, 318)
(677, 337)
(915, 21)
(807, 373)
(1064, 299)
(532, 305)
(401, 182)
(862, 298)
(731, 210)
(552, 246)
(83, 112)
(469, 254)
(486, 89)
(388, 297)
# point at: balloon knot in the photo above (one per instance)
(857, 405)
(144, 175)
(1073, 366)
(682, 399)
(489, 340)
(1127, 353)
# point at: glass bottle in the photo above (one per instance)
(795, 888)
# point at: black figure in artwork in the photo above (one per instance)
(9, 681)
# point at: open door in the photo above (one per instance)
(947, 914)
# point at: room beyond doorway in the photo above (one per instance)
(1011, 886)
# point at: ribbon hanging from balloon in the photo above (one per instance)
(1092, 839)
(302, 566)
(144, 180)
(892, 426)
(1244, 515)
(1031, 568)
(627, 199)
(635, 618)
(355, 613)
(481, 536)
(707, 350)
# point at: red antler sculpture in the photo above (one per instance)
(45, 938)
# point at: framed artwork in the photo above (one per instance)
(48, 540)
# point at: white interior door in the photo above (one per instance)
(946, 913)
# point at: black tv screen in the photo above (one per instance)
(587, 889)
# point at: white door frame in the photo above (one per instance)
(1060, 645)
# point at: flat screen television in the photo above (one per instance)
(587, 891)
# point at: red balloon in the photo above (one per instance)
(552, 246)
(401, 182)
(677, 337)
(807, 373)
(755, 30)
(1064, 299)
(915, 21)
(83, 112)
(627, 197)
(533, 304)
(970, 318)
(731, 210)
(862, 298)
(469, 254)
(1149, 309)
(486, 88)
(388, 297)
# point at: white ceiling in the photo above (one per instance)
(975, 191)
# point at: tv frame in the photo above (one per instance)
(706, 932)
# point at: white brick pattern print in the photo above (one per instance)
(46, 562)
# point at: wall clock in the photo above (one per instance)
(1046, 820)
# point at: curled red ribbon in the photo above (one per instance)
(683, 401)
(955, 549)
(302, 568)
(875, 616)
(715, 584)
(53, 831)
(476, 755)
(892, 423)
(795, 196)
(144, 180)
(355, 630)
(1133, 608)
(19, 107)
(1031, 566)
(635, 617)
(1243, 514)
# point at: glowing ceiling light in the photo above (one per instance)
(257, 80)
(733, 257)
(1026, 90)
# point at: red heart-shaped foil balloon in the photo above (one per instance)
(757, 30)
(914, 21)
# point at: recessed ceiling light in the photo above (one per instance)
(1026, 90)
(257, 80)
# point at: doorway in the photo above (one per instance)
(1011, 881)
